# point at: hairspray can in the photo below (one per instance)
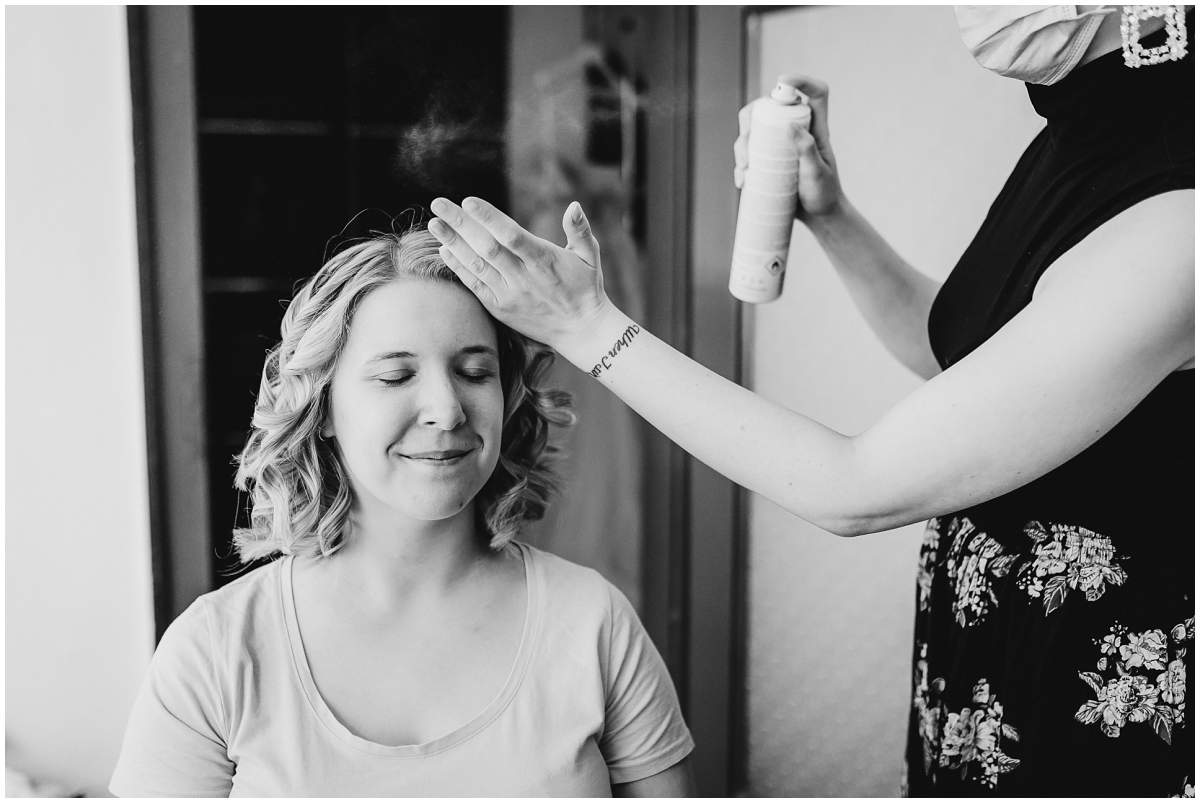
(768, 204)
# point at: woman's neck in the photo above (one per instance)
(386, 565)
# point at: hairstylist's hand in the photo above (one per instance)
(544, 291)
(820, 189)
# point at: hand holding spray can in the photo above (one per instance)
(769, 196)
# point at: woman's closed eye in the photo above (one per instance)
(477, 374)
(478, 368)
(395, 378)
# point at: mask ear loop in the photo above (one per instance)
(1174, 49)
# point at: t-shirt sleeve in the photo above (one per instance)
(175, 742)
(644, 731)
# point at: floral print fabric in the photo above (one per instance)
(1063, 559)
(971, 738)
(967, 740)
(1135, 690)
(1068, 559)
(978, 701)
(974, 563)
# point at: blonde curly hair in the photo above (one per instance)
(300, 491)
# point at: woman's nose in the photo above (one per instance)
(440, 404)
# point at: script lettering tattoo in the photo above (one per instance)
(622, 342)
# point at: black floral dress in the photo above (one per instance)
(1055, 639)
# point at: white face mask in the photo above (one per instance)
(1036, 44)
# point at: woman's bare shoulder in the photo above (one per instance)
(1154, 238)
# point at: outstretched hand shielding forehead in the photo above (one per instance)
(543, 290)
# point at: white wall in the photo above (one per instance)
(78, 604)
(924, 139)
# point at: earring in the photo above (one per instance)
(1173, 49)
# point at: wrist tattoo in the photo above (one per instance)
(622, 342)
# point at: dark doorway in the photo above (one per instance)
(314, 126)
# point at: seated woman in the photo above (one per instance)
(403, 643)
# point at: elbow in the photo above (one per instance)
(848, 527)
(849, 523)
(841, 523)
(854, 501)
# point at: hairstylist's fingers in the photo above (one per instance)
(806, 147)
(470, 279)
(506, 231)
(818, 101)
(478, 238)
(533, 253)
(467, 257)
(811, 165)
(740, 156)
(579, 235)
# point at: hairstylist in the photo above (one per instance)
(1052, 445)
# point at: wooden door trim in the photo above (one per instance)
(167, 193)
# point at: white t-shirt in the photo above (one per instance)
(230, 707)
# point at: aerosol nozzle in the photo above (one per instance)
(788, 95)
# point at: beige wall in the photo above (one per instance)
(78, 604)
(924, 139)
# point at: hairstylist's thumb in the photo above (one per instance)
(579, 235)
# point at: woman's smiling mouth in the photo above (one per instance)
(438, 457)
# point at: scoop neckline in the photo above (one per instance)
(458, 735)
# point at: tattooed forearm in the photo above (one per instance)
(622, 342)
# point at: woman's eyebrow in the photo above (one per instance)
(391, 355)
(403, 355)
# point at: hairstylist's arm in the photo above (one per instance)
(1109, 321)
(893, 296)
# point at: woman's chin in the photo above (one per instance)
(420, 499)
(446, 503)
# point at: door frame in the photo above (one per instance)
(717, 506)
(692, 63)
(168, 230)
